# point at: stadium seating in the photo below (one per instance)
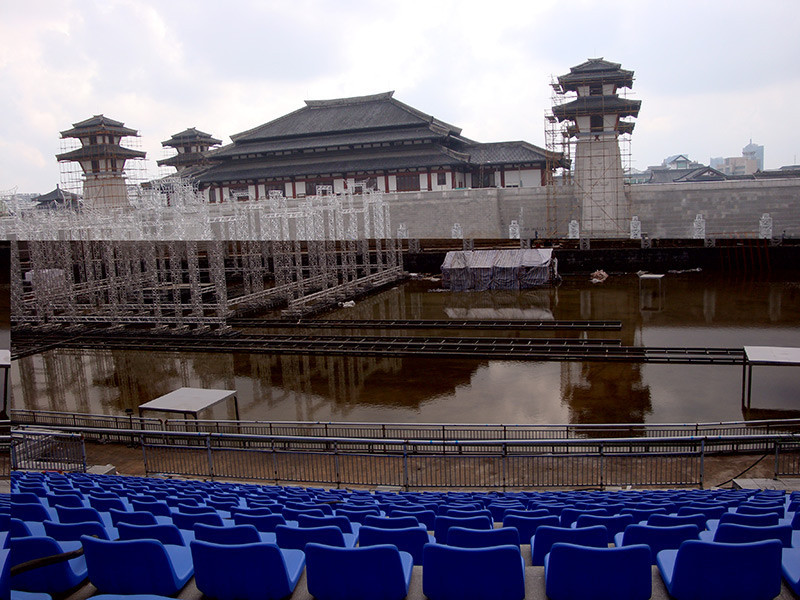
(717, 571)
(574, 572)
(335, 573)
(257, 571)
(450, 573)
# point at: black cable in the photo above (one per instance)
(745, 471)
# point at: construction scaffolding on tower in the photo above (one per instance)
(599, 160)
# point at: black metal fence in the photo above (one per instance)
(47, 451)
(408, 464)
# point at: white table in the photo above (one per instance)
(190, 401)
(765, 356)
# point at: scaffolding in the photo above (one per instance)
(599, 160)
(172, 260)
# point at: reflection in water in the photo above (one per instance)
(693, 310)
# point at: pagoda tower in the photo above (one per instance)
(595, 120)
(102, 160)
(190, 145)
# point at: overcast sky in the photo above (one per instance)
(711, 75)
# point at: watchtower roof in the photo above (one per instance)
(593, 71)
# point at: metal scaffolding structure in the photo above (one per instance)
(172, 260)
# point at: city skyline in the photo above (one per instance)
(708, 81)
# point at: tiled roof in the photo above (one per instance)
(98, 151)
(191, 135)
(596, 70)
(260, 169)
(379, 111)
(98, 124)
(505, 152)
(325, 141)
(597, 105)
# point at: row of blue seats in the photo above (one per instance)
(254, 571)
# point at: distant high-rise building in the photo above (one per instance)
(754, 152)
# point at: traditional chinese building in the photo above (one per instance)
(372, 140)
(595, 118)
(190, 146)
(102, 159)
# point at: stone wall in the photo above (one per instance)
(730, 209)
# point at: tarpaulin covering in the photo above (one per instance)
(498, 269)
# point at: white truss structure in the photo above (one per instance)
(173, 260)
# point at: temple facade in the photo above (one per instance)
(373, 142)
(191, 146)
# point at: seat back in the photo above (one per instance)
(340, 521)
(147, 567)
(186, 521)
(135, 518)
(67, 514)
(444, 522)
(68, 532)
(573, 571)
(733, 533)
(30, 511)
(334, 573)
(155, 507)
(234, 571)
(263, 523)
(57, 578)
(482, 538)
(358, 514)
(753, 509)
(163, 532)
(425, 516)
(106, 504)
(760, 520)
(709, 510)
(546, 536)
(298, 537)
(402, 522)
(451, 573)
(613, 524)
(409, 539)
(731, 571)
(236, 534)
(659, 538)
(659, 520)
(527, 526)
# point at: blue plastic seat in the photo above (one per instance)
(642, 514)
(658, 520)
(613, 524)
(710, 511)
(402, 522)
(546, 536)
(58, 578)
(733, 533)
(358, 515)
(426, 517)
(148, 566)
(157, 508)
(340, 521)
(106, 504)
(231, 534)
(72, 532)
(335, 573)
(527, 526)
(753, 509)
(656, 538)
(297, 537)
(132, 517)
(409, 539)
(451, 573)
(257, 571)
(264, 523)
(570, 515)
(740, 519)
(790, 567)
(72, 500)
(716, 571)
(574, 572)
(444, 522)
(80, 514)
(186, 521)
(163, 532)
(33, 511)
(482, 538)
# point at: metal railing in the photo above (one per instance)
(444, 432)
(501, 464)
(440, 432)
(47, 451)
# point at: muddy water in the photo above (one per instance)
(687, 310)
